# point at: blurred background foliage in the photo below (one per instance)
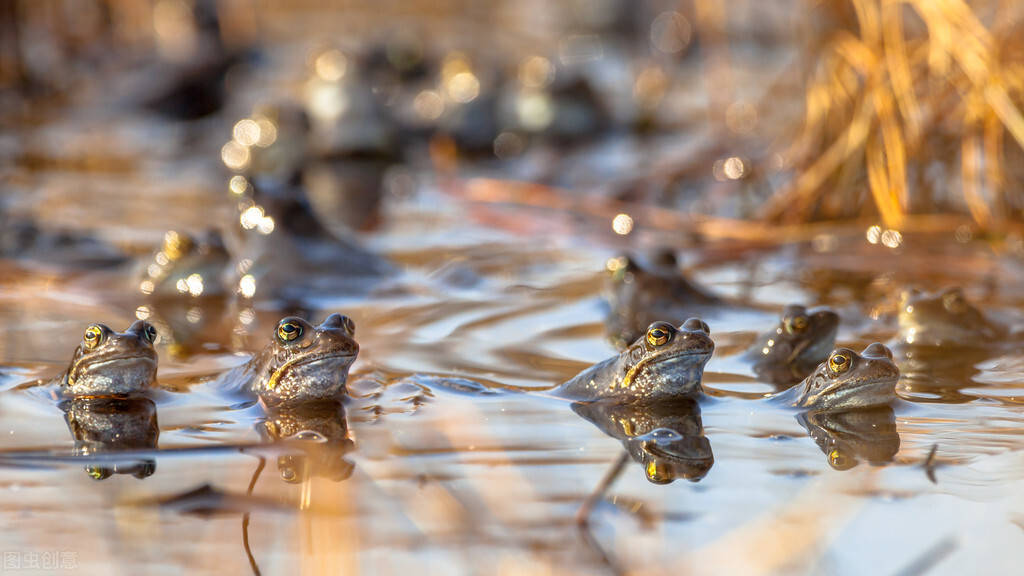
(880, 110)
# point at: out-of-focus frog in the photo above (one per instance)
(639, 294)
(945, 318)
(796, 346)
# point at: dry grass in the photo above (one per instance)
(900, 89)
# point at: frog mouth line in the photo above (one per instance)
(656, 451)
(119, 359)
(662, 359)
(856, 388)
(306, 361)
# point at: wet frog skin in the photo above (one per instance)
(109, 363)
(302, 362)
(665, 363)
(794, 348)
(945, 319)
(847, 381)
(639, 295)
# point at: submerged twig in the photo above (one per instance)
(929, 464)
(583, 514)
(245, 517)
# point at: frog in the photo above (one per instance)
(286, 254)
(302, 363)
(847, 380)
(109, 363)
(848, 436)
(638, 295)
(666, 438)
(790, 351)
(186, 264)
(316, 437)
(945, 319)
(24, 238)
(103, 425)
(664, 363)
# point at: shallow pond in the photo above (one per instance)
(418, 474)
(448, 457)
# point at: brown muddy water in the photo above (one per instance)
(447, 458)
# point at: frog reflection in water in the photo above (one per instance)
(639, 295)
(794, 348)
(847, 381)
(317, 433)
(846, 437)
(666, 438)
(665, 363)
(111, 425)
(302, 362)
(945, 319)
(110, 363)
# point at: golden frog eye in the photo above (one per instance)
(839, 363)
(93, 336)
(150, 333)
(657, 336)
(289, 331)
(796, 324)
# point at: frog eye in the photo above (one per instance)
(288, 331)
(93, 336)
(150, 333)
(954, 301)
(840, 461)
(98, 472)
(350, 326)
(658, 335)
(839, 363)
(795, 324)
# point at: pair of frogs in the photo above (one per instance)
(668, 363)
(302, 363)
